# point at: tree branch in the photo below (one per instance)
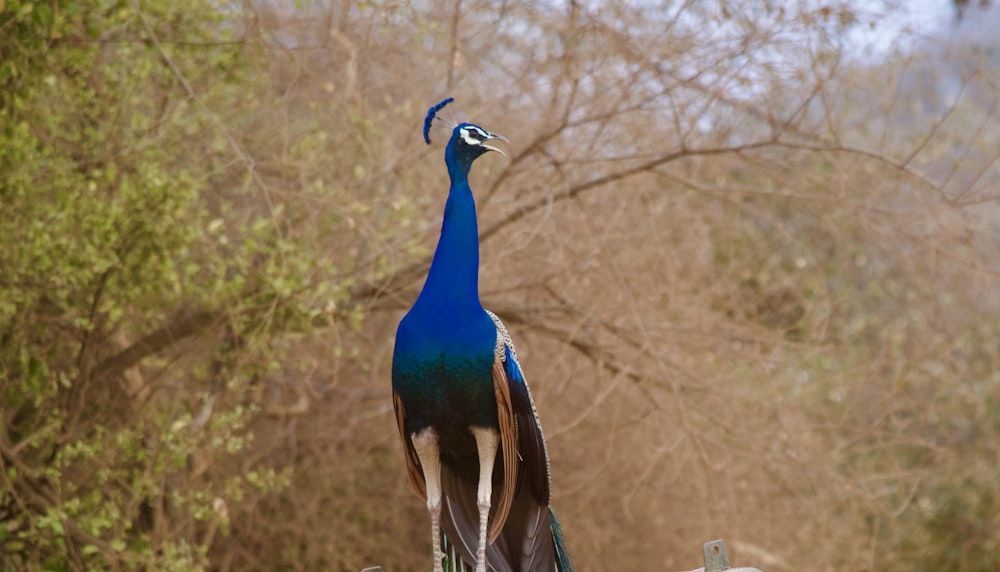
(155, 342)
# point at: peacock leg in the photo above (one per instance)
(487, 441)
(425, 444)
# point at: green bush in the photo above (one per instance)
(145, 281)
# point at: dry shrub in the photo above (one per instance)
(752, 290)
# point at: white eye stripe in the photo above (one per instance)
(466, 133)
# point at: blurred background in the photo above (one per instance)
(749, 251)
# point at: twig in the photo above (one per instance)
(241, 155)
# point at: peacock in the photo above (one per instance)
(472, 440)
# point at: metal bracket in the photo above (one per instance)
(716, 559)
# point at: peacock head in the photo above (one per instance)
(468, 140)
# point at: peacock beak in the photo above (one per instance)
(498, 137)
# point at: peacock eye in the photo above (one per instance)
(474, 136)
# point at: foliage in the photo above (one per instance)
(749, 261)
(132, 227)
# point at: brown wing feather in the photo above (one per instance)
(413, 468)
(508, 446)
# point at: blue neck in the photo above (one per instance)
(453, 279)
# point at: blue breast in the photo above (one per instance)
(442, 369)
